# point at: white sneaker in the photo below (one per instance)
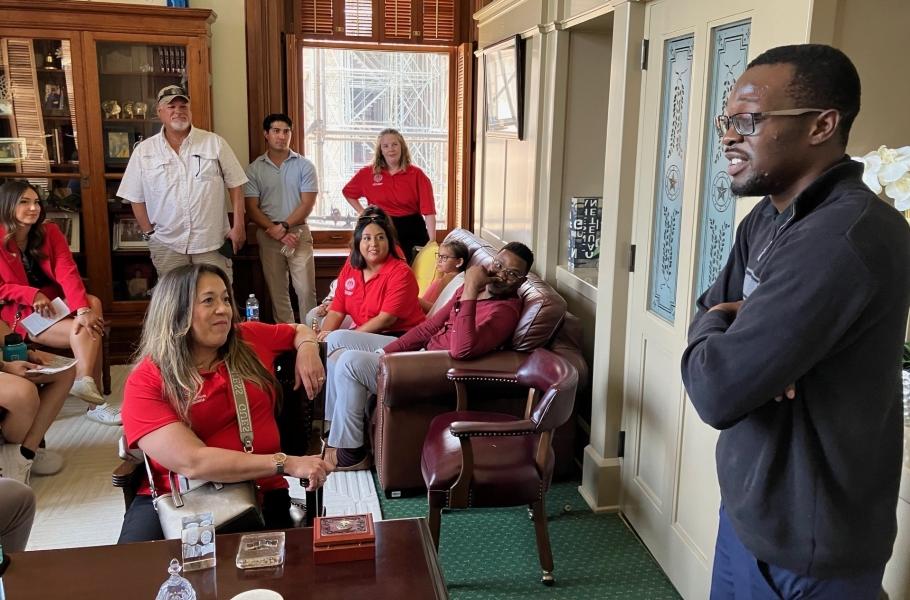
(85, 389)
(13, 465)
(47, 462)
(104, 414)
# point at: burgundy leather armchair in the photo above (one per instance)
(488, 459)
(413, 387)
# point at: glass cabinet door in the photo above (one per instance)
(129, 77)
(39, 138)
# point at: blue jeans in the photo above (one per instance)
(352, 368)
(739, 575)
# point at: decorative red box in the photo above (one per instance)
(341, 539)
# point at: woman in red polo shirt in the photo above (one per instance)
(376, 287)
(399, 188)
(179, 407)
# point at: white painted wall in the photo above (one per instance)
(590, 53)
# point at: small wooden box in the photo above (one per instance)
(341, 539)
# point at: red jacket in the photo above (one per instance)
(15, 290)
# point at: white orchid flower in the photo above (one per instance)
(888, 168)
(872, 164)
(899, 191)
(894, 164)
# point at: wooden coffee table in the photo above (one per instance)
(405, 567)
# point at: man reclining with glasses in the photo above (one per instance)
(480, 318)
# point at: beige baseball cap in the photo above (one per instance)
(168, 93)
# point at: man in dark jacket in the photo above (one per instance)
(795, 351)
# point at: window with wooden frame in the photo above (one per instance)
(348, 96)
(411, 77)
(410, 21)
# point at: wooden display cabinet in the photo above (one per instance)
(78, 82)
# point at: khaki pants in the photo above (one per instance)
(17, 511)
(166, 259)
(302, 270)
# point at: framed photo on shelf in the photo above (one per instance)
(127, 235)
(54, 98)
(503, 68)
(68, 222)
(118, 144)
(12, 150)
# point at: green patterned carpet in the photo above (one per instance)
(491, 553)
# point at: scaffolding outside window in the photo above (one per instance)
(349, 96)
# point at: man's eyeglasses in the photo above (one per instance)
(509, 274)
(443, 257)
(744, 123)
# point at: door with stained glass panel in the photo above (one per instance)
(654, 396)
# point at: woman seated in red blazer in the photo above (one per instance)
(376, 287)
(36, 266)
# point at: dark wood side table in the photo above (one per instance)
(405, 567)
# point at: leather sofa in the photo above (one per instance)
(413, 387)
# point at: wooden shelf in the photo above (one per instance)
(107, 121)
(119, 208)
(139, 73)
(43, 174)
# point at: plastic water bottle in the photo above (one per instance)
(252, 308)
(15, 349)
(288, 251)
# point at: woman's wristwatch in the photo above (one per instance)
(280, 458)
(83, 310)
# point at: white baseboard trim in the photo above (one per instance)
(601, 481)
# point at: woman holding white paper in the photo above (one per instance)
(36, 266)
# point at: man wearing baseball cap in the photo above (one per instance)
(176, 180)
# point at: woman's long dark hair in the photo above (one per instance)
(10, 193)
(373, 215)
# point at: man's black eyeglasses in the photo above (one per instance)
(510, 274)
(744, 123)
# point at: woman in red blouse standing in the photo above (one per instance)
(36, 266)
(399, 188)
